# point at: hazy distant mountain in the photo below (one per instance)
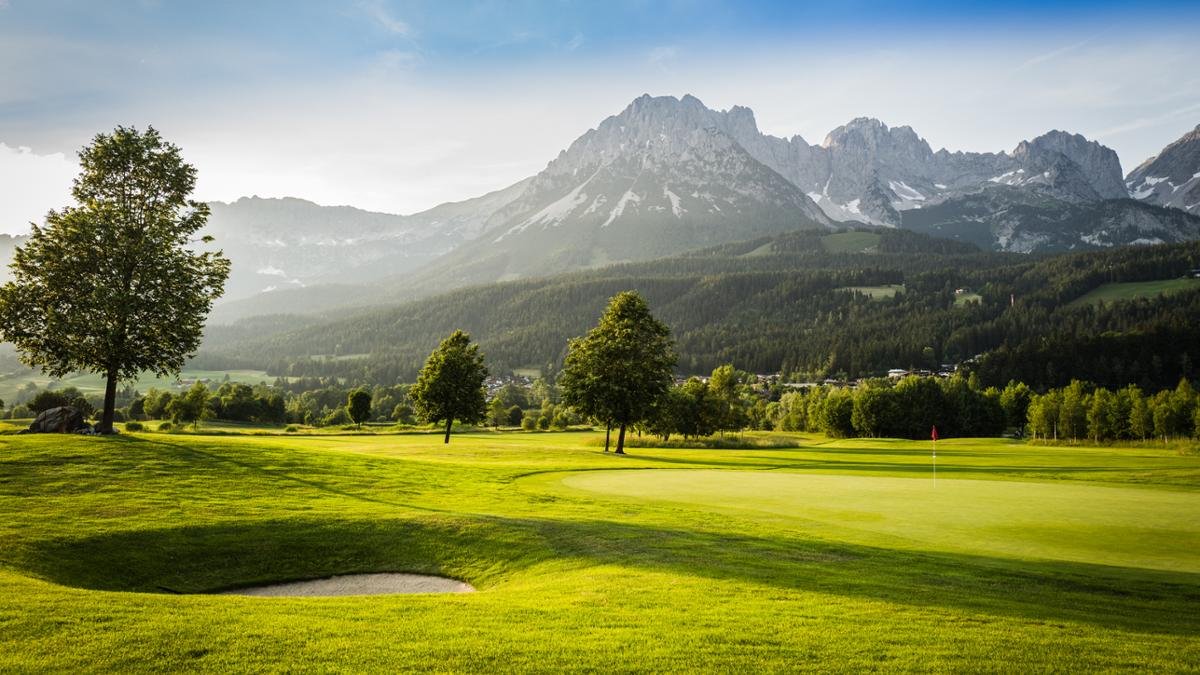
(278, 244)
(1172, 178)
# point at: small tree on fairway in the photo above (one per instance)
(622, 369)
(450, 385)
(112, 286)
(358, 406)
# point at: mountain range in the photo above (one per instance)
(668, 175)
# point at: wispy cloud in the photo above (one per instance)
(382, 16)
(1150, 121)
(661, 57)
(574, 43)
(1052, 55)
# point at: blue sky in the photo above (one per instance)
(397, 106)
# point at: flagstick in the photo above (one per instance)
(935, 462)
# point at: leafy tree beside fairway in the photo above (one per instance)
(621, 371)
(358, 406)
(450, 386)
(114, 286)
(191, 406)
(1075, 412)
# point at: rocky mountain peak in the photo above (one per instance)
(1172, 177)
(866, 129)
(1100, 166)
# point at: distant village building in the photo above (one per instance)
(1194, 273)
(897, 373)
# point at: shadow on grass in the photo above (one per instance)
(486, 550)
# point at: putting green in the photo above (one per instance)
(1123, 526)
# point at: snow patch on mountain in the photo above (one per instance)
(676, 209)
(626, 198)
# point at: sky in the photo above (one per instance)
(397, 106)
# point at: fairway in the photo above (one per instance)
(833, 555)
(1123, 526)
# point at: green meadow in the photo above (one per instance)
(831, 555)
(876, 292)
(1136, 289)
(850, 242)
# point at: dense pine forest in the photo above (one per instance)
(810, 305)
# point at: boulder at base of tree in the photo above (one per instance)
(60, 420)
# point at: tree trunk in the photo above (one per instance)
(607, 434)
(448, 423)
(110, 403)
(621, 441)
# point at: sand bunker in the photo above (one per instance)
(358, 584)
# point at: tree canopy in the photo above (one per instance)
(621, 371)
(358, 405)
(450, 385)
(116, 285)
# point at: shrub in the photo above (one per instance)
(166, 426)
(134, 426)
(46, 399)
(291, 428)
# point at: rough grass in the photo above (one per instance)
(850, 242)
(1138, 289)
(750, 562)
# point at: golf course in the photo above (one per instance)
(830, 555)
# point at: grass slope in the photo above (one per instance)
(850, 242)
(1136, 289)
(821, 556)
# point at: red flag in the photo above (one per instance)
(933, 434)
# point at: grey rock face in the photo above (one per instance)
(669, 174)
(866, 171)
(1022, 221)
(1087, 162)
(60, 420)
(662, 177)
(1171, 178)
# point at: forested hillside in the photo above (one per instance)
(808, 304)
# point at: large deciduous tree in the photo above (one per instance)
(450, 385)
(116, 284)
(622, 369)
